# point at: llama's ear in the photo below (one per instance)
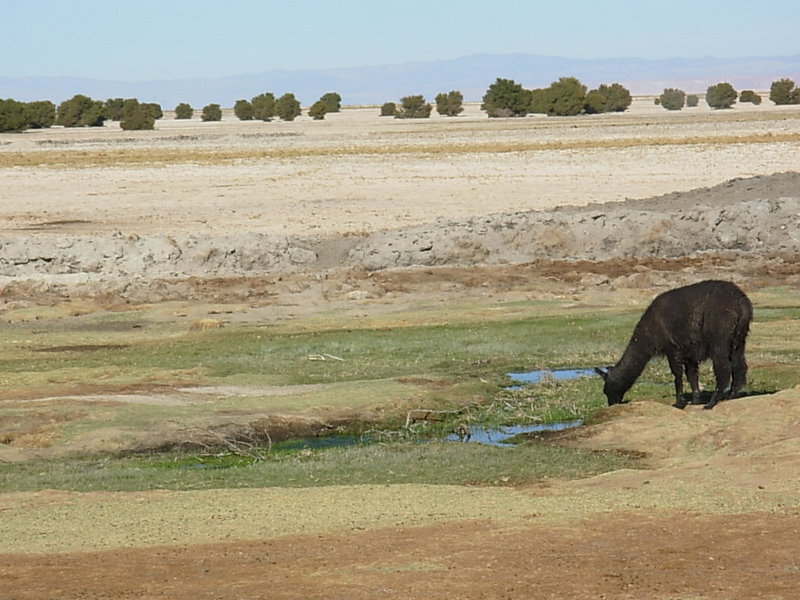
(603, 374)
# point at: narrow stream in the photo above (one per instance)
(492, 436)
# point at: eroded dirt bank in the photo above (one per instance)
(740, 222)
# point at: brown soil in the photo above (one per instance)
(613, 555)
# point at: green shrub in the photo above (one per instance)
(538, 103)
(565, 97)
(263, 106)
(618, 97)
(672, 99)
(153, 109)
(243, 110)
(13, 116)
(129, 107)
(506, 98)
(450, 104)
(114, 108)
(94, 116)
(692, 100)
(137, 116)
(389, 109)
(784, 92)
(749, 96)
(211, 112)
(184, 111)
(413, 107)
(287, 107)
(81, 111)
(721, 95)
(607, 98)
(594, 103)
(332, 102)
(318, 110)
(41, 114)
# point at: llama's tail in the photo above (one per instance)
(744, 316)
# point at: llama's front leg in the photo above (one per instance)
(693, 375)
(677, 371)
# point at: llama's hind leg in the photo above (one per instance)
(739, 369)
(722, 373)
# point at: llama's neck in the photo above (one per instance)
(632, 363)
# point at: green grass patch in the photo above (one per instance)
(278, 358)
(431, 463)
(55, 353)
(427, 358)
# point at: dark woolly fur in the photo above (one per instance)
(706, 320)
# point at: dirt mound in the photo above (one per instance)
(731, 192)
(747, 441)
(756, 217)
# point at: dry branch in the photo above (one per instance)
(427, 414)
(239, 443)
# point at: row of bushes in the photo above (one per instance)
(569, 97)
(504, 98)
(82, 111)
(78, 111)
(507, 98)
(265, 107)
(564, 98)
(723, 95)
(449, 104)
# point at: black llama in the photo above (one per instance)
(706, 320)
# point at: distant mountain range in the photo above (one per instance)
(471, 75)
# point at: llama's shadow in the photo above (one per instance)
(705, 396)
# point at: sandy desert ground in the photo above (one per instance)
(714, 515)
(355, 172)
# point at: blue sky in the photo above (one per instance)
(151, 40)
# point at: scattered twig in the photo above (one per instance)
(324, 357)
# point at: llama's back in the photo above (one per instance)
(723, 312)
(698, 317)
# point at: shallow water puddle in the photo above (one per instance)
(499, 436)
(543, 375)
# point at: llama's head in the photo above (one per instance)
(613, 390)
